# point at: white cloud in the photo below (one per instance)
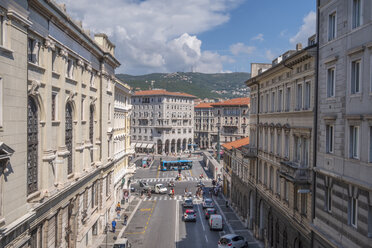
(306, 30)
(269, 55)
(258, 37)
(239, 48)
(154, 35)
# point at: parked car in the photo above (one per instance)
(232, 240)
(209, 211)
(215, 222)
(122, 243)
(188, 203)
(208, 203)
(189, 215)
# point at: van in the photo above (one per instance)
(122, 243)
(215, 222)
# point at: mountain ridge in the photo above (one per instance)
(202, 85)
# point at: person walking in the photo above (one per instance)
(113, 224)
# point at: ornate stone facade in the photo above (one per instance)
(60, 189)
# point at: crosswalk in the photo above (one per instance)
(167, 198)
(168, 179)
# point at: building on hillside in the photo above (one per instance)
(121, 139)
(162, 121)
(231, 119)
(343, 194)
(282, 128)
(59, 188)
(205, 129)
(235, 168)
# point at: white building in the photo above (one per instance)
(162, 121)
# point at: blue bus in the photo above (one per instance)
(176, 165)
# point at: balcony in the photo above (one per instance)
(249, 152)
(294, 173)
(230, 124)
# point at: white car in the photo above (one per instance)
(160, 189)
(208, 203)
(232, 240)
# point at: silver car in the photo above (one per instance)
(189, 215)
(188, 203)
(232, 240)
(208, 203)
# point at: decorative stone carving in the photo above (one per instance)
(50, 44)
(71, 96)
(88, 67)
(80, 63)
(63, 52)
(33, 88)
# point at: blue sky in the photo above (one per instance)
(200, 35)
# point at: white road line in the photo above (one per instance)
(176, 233)
(223, 216)
(201, 219)
(205, 235)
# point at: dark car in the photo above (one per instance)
(209, 211)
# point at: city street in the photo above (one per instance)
(158, 220)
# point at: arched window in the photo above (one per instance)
(32, 146)
(68, 136)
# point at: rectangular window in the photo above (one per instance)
(70, 68)
(280, 100)
(353, 214)
(303, 204)
(355, 77)
(277, 183)
(1, 102)
(54, 106)
(279, 144)
(332, 26)
(54, 57)
(305, 152)
(272, 142)
(329, 138)
(299, 96)
(273, 102)
(286, 190)
(267, 103)
(1, 30)
(328, 202)
(307, 95)
(369, 221)
(288, 100)
(331, 82)
(357, 13)
(93, 190)
(354, 142)
(286, 146)
(297, 144)
(32, 51)
(82, 109)
(261, 104)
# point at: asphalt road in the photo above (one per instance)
(158, 220)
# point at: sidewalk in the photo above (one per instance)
(234, 223)
(108, 240)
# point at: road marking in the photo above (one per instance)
(176, 234)
(130, 218)
(201, 219)
(205, 235)
(145, 209)
(157, 174)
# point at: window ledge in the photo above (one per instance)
(92, 88)
(355, 95)
(71, 81)
(55, 74)
(83, 122)
(35, 66)
(56, 123)
(6, 50)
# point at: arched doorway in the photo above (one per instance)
(173, 146)
(32, 146)
(68, 136)
(190, 144)
(178, 145)
(160, 147)
(184, 144)
(166, 147)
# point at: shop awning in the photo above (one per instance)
(133, 145)
(143, 145)
(150, 146)
(138, 145)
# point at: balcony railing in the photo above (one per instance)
(295, 173)
(248, 151)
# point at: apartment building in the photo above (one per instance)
(123, 152)
(162, 121)
(57, 190)
(343, 194)
(232, 119)
(205, 127)
(279, 181)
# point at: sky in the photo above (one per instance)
(209, 36)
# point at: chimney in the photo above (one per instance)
(298, 46)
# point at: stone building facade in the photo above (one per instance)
(282, 131)
(162, 121)
(121, 139)
(205, 127)
(343, 199)
(59, 188)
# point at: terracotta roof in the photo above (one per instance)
(204, 105)
(233, 102)
(237, 143)
(161, 92)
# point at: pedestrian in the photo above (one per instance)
(125, 219)
(227, 204)
(113, 223)
(118, 207)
